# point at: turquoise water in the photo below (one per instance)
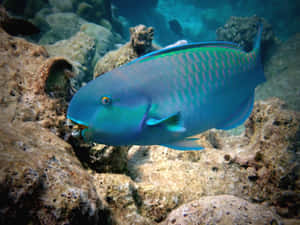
(200, 19)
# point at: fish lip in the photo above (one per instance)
(81, 125)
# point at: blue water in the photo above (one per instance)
(200, 18)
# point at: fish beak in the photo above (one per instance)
(80, 126)
(76, 128)
(75, 125)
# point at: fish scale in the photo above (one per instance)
(191, 91)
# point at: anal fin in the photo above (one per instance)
(188, 144)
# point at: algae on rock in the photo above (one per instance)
(62, 26)
(84, 49)
(42, 182)
(243, 30)
(79, 50)
(140, 43)
(104, 39)
(221, 209)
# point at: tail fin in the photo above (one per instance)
(256, 46)
(260, 77)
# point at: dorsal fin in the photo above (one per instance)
(224, 44)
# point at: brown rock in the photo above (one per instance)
(221, 209)
(243, 30)
(120, 194)
(36, 87)
(139, 44)
(141, 39)
(41, 180)
(101, 158)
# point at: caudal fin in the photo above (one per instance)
(256, 46)
(256, 51)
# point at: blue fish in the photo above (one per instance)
(167, 96)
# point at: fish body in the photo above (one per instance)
(167, 96)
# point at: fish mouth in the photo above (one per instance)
(78, 125)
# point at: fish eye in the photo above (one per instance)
(105, 100)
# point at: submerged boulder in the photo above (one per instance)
(79, 50)
(62, 6)
(104, 38)
(62, 26)
(34, 90)
(41, 180)
(243, 30)
(84, 49)
(140, 43)
(221, 209)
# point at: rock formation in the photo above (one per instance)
(140, 43)
(46, 180)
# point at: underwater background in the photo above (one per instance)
(49, 175)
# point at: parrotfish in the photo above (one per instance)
(167, 96)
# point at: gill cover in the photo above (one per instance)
(118, 122)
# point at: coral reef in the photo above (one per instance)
(141, 39)
(221, 209)
(101, 158)
(79, 50)
(43, 179)
(120, 194)
(139, 44)
(84, 49)
(42, 182)
(26, 72)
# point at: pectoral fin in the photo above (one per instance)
(172, 122)
(188, 144)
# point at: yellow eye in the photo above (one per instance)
(106, 100)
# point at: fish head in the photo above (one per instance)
(110, 113)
